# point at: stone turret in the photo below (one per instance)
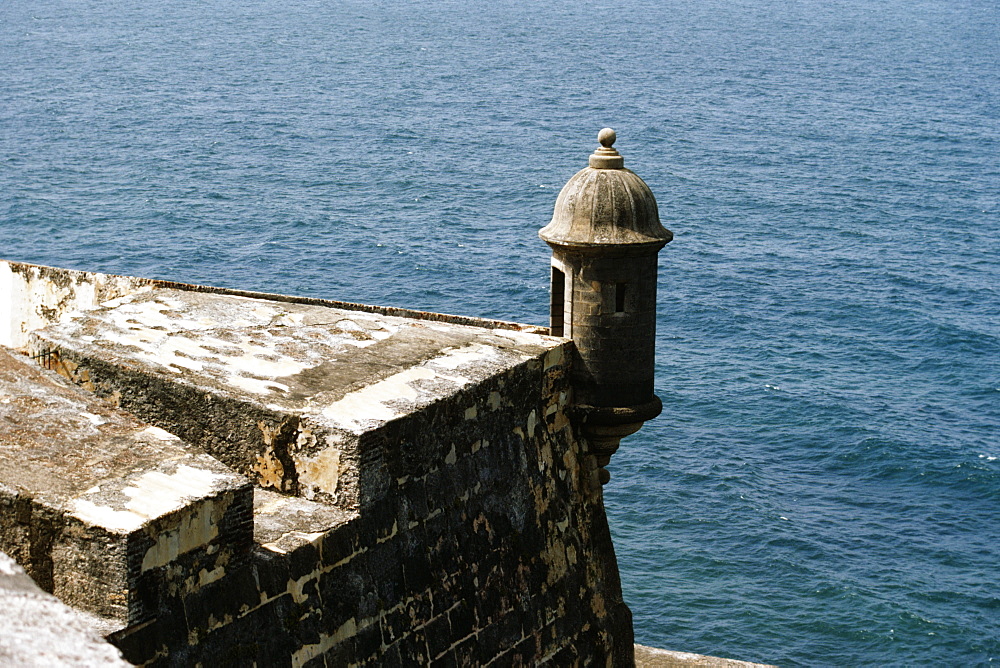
(605, 235)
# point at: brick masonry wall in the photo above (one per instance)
(480, 537)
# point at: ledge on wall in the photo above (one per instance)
(651, 657)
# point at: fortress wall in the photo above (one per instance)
(480, 546)
(454, 522)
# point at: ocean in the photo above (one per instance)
(823, 487)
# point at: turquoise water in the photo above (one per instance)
(823, 487)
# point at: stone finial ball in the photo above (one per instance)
(607, 137)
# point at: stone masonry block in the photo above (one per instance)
(106, 499)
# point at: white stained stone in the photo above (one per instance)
(370, 403)
(156, 493)
(151, 495)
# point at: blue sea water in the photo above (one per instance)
(823, 487)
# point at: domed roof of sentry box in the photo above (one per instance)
(605, 205)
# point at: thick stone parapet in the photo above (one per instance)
(287, 394)
(32, 296)
(98, 506)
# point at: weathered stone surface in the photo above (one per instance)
(37, 630)
(281, 392)
(92, 501)
(283, 523)
(33, 296)
(651, 657)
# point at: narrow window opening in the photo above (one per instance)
(619, 297)
(556, 327)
